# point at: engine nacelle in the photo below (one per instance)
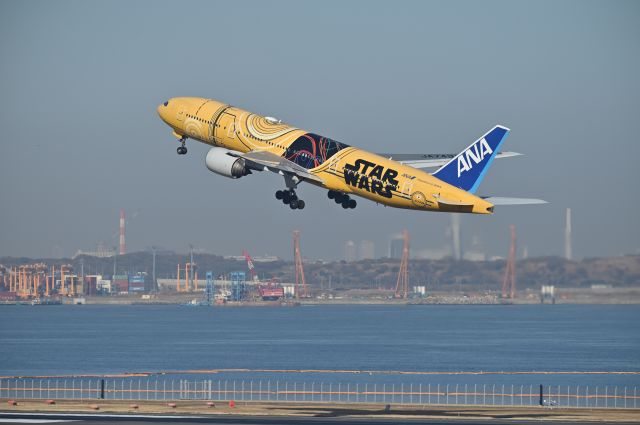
(220, 162)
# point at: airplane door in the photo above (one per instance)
(180, 115)
(226, 129)
(407, 185)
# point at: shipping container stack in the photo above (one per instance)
(136, 284)
(120, 284)
(91, 284)
(8, 296)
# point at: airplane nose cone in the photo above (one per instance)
(163, 111)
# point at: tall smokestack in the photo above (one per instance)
(568, 254)
(122, 247)
(455, 235)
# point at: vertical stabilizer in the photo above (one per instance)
(468, 168)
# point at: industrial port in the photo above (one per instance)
(154, 277)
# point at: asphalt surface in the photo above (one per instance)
(103, 419)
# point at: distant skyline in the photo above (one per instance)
(81, 137)
(352, 250)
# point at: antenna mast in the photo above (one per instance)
(300, 281)
(402, 285)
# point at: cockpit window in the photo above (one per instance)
(166, 103)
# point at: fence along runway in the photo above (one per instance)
(151, 388)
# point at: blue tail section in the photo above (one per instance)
(468, 168)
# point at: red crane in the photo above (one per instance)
(270, 291)
(252, 269)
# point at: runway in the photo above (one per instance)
(107, 419)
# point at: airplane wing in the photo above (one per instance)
(263, 161)
(432, 160)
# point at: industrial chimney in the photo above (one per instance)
(455, 235)
(568, 254)
(122, 247)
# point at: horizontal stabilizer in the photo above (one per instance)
(498, 200)
(433, 160)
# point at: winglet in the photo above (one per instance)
(467, 169)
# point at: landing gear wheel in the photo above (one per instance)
(345, 204)
(289, 197)
(182, 150)
(352, 203)
(331, 194)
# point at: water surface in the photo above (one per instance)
(47, 340)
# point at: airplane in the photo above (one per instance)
(242, 142)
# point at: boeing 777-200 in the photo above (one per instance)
(242, 142)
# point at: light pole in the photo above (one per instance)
(153, 270)
(191, 265)
(115, 261)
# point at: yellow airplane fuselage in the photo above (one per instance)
(340, 167)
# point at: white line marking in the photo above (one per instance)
(32, 421)
(98, 415)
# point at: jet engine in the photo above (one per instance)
(221, 162)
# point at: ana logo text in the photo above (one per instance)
(371, 177)
(474, 155)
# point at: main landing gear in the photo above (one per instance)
(342, 198)
(182, 149)
(289, 197)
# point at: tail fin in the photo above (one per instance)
(468, 168)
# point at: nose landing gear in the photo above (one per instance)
(342, 198)
(289, 197)
(182, 149)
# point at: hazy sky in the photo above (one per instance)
(81, 138)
